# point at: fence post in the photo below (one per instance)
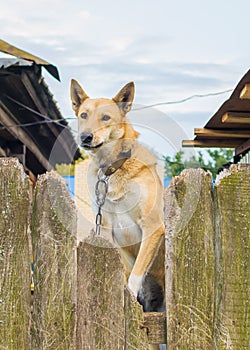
(135, 329)
(14, 256)
(189, 261)
(54, 244)
(232, 216)
(100, 288)
(109, 317)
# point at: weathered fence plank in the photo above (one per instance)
(155, 323)
(135, 329)
(109, 318)
(54, 245)
(207, 269)
(189, 261)
(14, 257)
(100, 284)
(232, 321)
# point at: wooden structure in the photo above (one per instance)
(80, 300)
(31, 125)
(229, 127)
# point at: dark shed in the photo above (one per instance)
(31, 125)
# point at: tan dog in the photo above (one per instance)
(133, 209)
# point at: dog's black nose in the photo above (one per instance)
(86, 138)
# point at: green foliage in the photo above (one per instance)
(220, 157)
(65, 169)
(69, 169)
(174, 166)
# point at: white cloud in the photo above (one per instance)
(40, 21)
(84, 15)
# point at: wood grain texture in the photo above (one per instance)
(135, 330)
(100, 285)
(189, 261)
(54, 245)
(14, 256)
(81, 301)
(155, 323)
(232, 321)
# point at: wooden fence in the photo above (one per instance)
(80, 299)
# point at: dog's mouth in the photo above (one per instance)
(90, 147)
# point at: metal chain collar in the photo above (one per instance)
(101, 189)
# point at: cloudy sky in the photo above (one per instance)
(170, 49)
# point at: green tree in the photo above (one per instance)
(65, 169)
(175, 165)
(219, 157)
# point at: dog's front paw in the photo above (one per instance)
(134, 283)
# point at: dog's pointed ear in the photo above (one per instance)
(77, 94)
(125, 97)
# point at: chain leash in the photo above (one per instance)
(101, 189)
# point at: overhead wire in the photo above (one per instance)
(47, 120)
(57, 121)
(184, 99)
(36, 112)
(31, 123)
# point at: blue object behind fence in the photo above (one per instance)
(70, 182)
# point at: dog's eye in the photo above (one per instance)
(106, 117)
(84, 115)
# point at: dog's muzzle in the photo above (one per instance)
(86, 139)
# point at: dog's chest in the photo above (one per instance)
(125, 230)
(121, 210)
(122, 193)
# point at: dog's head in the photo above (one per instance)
(102, 121)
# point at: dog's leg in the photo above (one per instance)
(128, 262)
(148, 249)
